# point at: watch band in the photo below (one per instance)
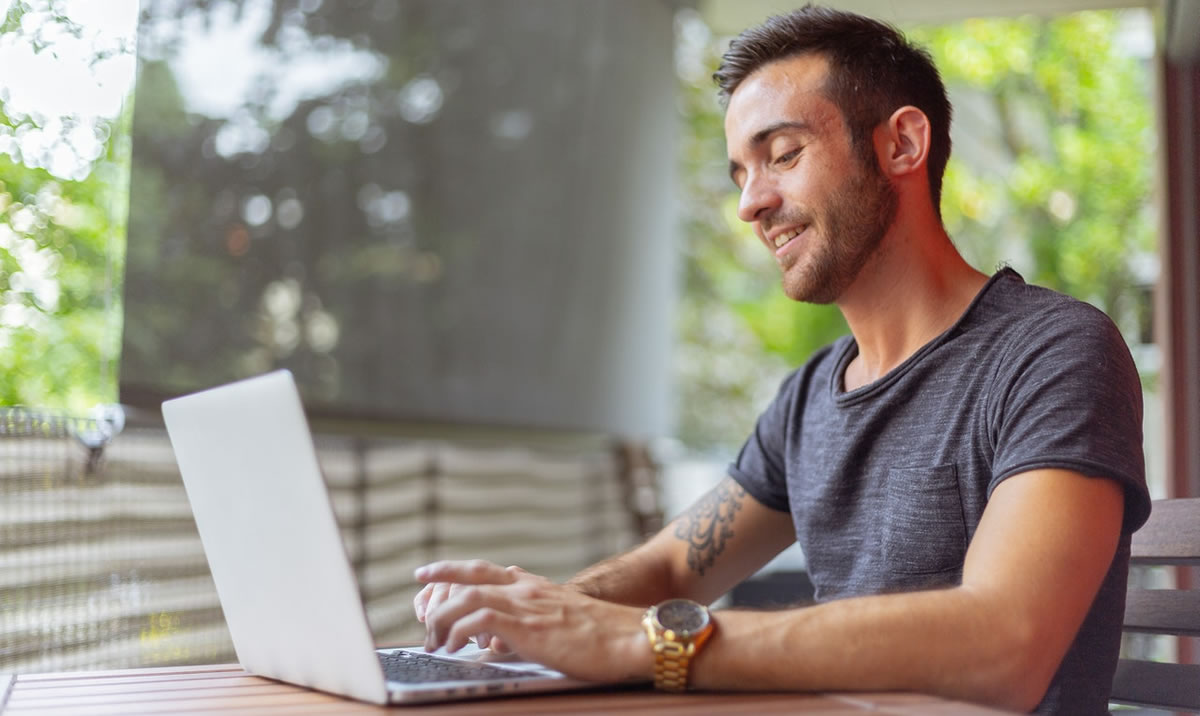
(671, 661)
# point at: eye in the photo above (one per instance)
(788, 156)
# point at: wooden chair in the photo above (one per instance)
(1170, 537)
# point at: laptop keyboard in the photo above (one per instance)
(413, 668)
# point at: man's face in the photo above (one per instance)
(805, 191)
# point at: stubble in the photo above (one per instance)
(849, 232)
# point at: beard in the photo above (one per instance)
(849, 232)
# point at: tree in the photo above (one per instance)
(63, 182)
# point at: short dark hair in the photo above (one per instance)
(873, 71)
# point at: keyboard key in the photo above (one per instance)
(412, 668)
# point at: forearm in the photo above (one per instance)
(949, 642)
(700, 555)
(639, 577)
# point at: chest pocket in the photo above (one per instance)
(923, 531)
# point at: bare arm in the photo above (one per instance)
(719, 541)
(1036, 562)
(716, 543)
(1034, 566)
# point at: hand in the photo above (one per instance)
(542, 621)
(432, 596)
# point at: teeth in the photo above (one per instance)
(785, 237)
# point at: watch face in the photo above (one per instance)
(682, 616)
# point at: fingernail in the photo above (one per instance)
(421, 572)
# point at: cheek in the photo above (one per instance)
(802, 187)
(813, 182)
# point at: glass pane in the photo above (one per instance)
(440, 210)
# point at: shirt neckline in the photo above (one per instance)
(850, 350)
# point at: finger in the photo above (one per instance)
(421, 601)
(488, 619)
(439, 592)
(472, 571)
(465, 600)
(445, 607)
(492, 643)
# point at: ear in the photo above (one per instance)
(902, 142)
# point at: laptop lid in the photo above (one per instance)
(268, 529)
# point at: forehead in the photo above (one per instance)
(787, 90)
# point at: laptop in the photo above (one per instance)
(281, 570)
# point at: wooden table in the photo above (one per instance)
(228, 689)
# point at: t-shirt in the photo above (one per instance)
(887, 483)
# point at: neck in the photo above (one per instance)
(914, 288)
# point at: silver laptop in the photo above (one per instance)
(280, 567)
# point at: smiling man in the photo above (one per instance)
(963, 471)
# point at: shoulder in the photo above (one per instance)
(1052, 309)
(1057, 354)
(1038, 321)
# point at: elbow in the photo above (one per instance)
(1024, 698)
(1030, 666)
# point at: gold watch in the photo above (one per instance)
(677, 629)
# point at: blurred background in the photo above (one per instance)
(467, 212)
(489, 223)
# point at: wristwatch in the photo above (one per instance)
(677, 630)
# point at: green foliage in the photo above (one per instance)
(1073, 179)
(1051, 174)
(61, 251)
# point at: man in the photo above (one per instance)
(963, 472)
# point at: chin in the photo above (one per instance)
(809, 294)
(805, 289)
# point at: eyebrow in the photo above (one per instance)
(764, 134)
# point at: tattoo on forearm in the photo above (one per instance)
(707, 525)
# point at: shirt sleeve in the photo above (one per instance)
(1068, 396)
(760, 466)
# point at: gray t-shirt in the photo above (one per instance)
(887, 483)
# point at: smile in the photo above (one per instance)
(782, 239)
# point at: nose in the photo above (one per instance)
(758, 200)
